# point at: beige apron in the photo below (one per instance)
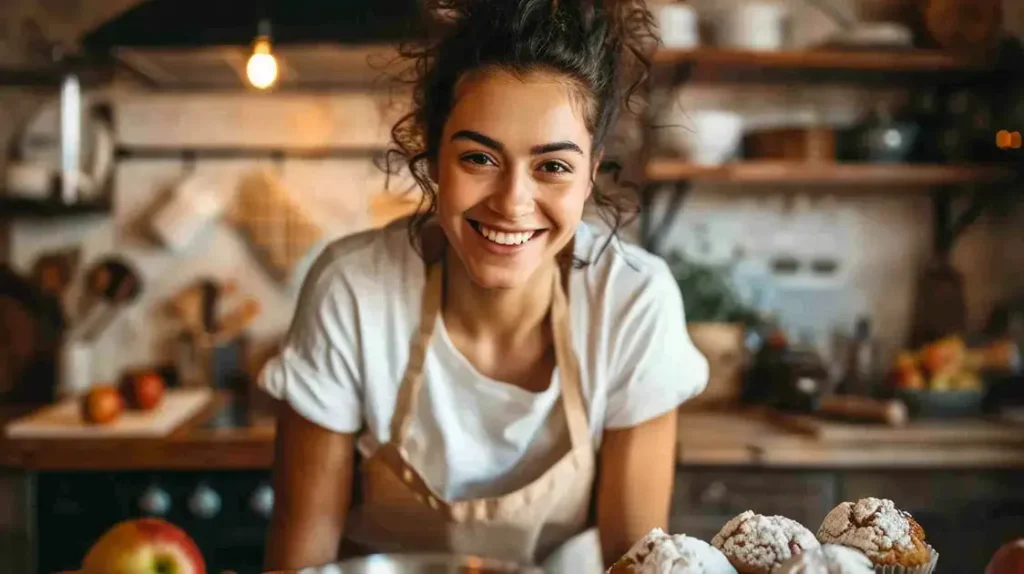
(544, 522)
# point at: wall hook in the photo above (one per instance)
(188, 163)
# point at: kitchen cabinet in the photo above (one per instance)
(225, 512)
(966, 515)
(15, 522)
(704, 500)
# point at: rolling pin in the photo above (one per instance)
(892, 412)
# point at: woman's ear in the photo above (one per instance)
(598, 158)
(432, 170)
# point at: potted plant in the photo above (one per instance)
(717, 320)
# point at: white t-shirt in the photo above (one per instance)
(472, 436)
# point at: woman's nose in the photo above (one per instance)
(514, 197)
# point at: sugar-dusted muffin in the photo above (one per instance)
(829, 559)
(660, 553)
(886, 534)
(757, 544)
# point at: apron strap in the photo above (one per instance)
(568, 365)
(412, 380)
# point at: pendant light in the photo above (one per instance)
(262, 66)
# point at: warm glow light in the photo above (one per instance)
(262, 67)
(1008, 140)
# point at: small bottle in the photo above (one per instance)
(861, 363)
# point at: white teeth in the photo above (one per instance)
(503, 238)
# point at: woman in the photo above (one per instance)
(504, 401)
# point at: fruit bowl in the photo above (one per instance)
(942, 404)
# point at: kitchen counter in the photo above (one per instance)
(192, 446)
(762, 438)
(750, 438)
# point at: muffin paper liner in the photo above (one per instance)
(924, 569)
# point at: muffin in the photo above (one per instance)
(660, 553)
(884, 533)
(757, 544)
(829, 559)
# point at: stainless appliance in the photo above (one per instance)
(430, 564)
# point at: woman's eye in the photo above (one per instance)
(477, 159)
(555, 167)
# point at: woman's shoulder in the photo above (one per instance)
(617, 270)
(370, 259)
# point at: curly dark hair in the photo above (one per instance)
(600, 46)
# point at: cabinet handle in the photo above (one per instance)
(205, 502)
(155, 501)
(715, 493)
(262, 501)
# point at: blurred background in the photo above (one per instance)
(836, 183)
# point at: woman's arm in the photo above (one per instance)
(313, 488)
(634, 491)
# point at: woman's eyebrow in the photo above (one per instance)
(497, 146)
(556, 146)
(478, 138)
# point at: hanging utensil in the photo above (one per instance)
(111, 284)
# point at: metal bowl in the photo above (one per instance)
(420, 564)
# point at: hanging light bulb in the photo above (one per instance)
(262, 66)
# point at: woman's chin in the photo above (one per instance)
(494, 277)
(504, 275)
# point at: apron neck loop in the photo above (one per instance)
(434, 246)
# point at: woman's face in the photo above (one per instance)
(513, 171)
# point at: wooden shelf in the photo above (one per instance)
(143, 152)
(845, 174)
(89, 74)
(822, 59)
(22, 208)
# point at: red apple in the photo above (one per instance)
(142, 391)
(144, 546)
(1009, 559)
(101, 405)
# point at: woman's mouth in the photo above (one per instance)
(504, 237)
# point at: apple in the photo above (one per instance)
(1009, 559)
(906, 374)
(101, 405)
(944, 357)
(143, 390)
(144, 546)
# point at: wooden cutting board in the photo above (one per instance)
(951, 431)
(64, 421)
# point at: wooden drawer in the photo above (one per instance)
(703, 501)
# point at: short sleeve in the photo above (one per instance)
(317, 371)
(655, 366)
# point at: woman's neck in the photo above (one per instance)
(495, 314)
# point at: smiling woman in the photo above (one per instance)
(488, 371)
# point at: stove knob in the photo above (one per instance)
(205, 502)
(155, 501)
(262, 501)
